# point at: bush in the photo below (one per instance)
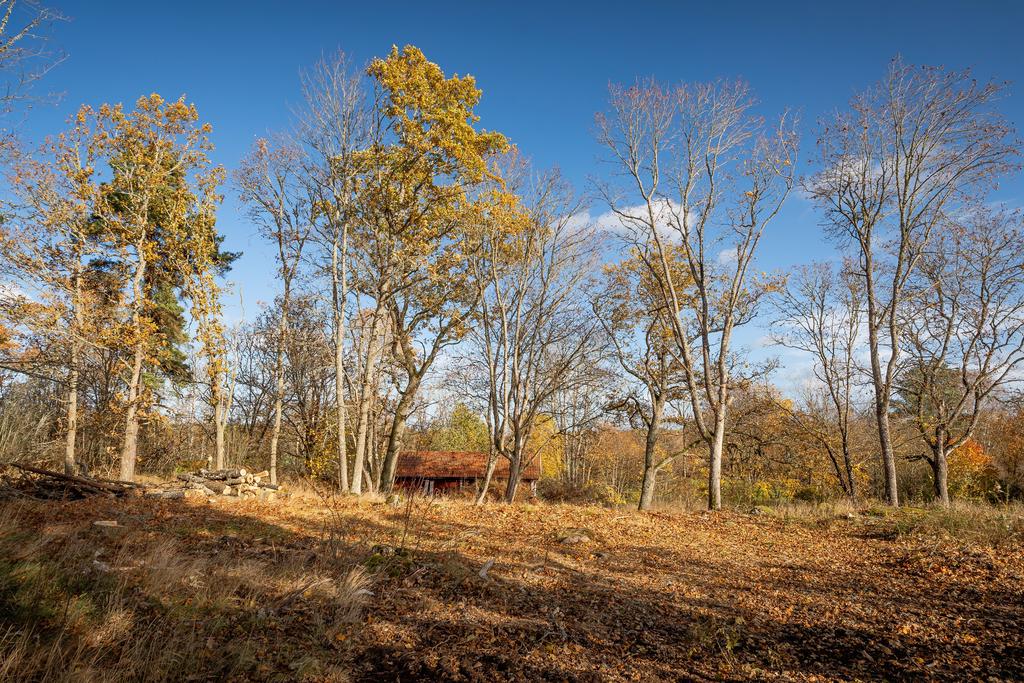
(559, 491)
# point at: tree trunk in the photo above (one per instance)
(512, 487)
(338, 284)
(940, 475)
(360, 455)
(365, 400)
(72, 414)
(650, 447)
(647, 488)
(888, 457)
(516, 465)
(851, 491)
(129, 449)
(715, 461)
(275, 434)
(219, 420)
(850, 485)
(492, 462)
(881, 402)
(73, 374)
(342, 417)
(397, 436)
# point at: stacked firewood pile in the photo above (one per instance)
(26, 481)
(233, 482)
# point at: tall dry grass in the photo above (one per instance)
(84, 605)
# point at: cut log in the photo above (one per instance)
(166, 495)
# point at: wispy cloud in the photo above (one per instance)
(727, 256)
(633, 221)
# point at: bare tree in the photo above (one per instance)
(701, 177)
(821, 314)
(333, 128)
(24, 54)
(270, 184)
(964, 333)
(892, 167)
(532, 331)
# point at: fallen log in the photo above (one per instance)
(77, 481)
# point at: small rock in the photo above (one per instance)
(574, 536)
(486, 568)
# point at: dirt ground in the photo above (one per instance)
(310, 589)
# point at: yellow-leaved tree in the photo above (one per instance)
(46, 243)
(155, 199)
(424, 190)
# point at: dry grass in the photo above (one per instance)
(157, 599)
(320, 588)
(966, 521)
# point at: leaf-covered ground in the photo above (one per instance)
(247, 591)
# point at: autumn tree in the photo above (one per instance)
(820, 313)
(460, 430)
(160, 180)
(891, 169)
(963, 332)
(1002, 431)
(697, 173)
(203, 261)
(633, 315)
(420, 205)
(47, 240)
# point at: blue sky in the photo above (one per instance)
(544, 69)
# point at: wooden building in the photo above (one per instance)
(454, 470)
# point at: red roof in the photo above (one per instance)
(455, 465)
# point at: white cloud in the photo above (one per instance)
(9, 290)
(727, 256)
(630, 221)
